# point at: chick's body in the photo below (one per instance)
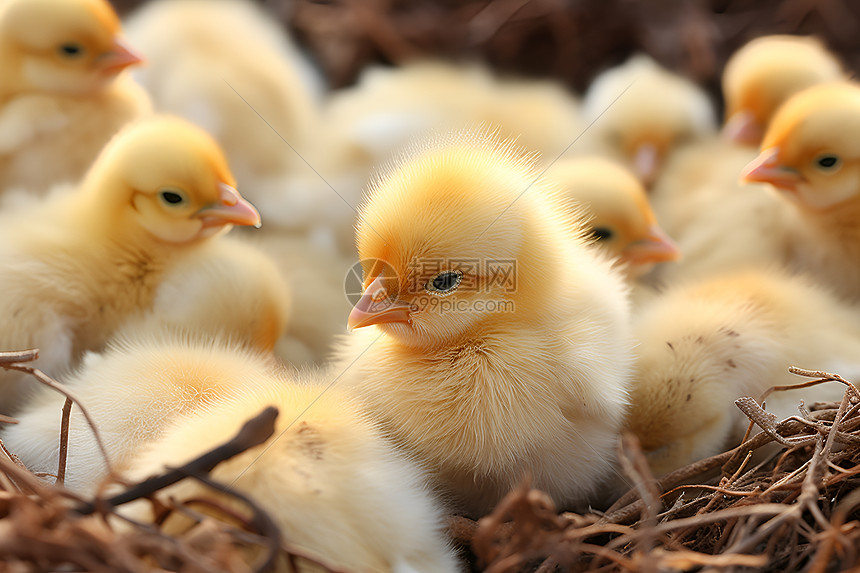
(519, 366)
(63, 94)
(332, 483)
(77, 265)
(705, 344)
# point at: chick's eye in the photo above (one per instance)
(444, 283)
(172, 197)
(602, 233)
(71, 50)
(827, 161)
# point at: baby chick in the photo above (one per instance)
(335, 487)
(146, 377)
(230, 68)
(641, 113)
(703, 345)
(62, 94)
(494, 341)
(764, 73)
(622, 221)
(75, 267)
(810, 155)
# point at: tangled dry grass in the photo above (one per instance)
(785, 499)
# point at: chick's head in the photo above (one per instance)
(168, 178)
(643, 112)
(65, 46)
(811, 150)
(622, 221)
(764, 73)
(449, 243)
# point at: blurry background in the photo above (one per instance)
(568, 39)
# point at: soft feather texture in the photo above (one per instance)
(523, 368)
(639, 113)
(59, 108)
(703, 345)
(146, 377)
(76, 266)
(764, 73)
(621, 219)
(336, 488)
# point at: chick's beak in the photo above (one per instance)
(376, 307)
(118, 58)
(743, 129)
(646, 162)
(766, 169)
(231, 208)
(656, 247)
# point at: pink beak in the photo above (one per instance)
(766, 169)
(656, 247)
(232, 208)
(376, 307)
(743, 129)
(119, 58)
(646, 162)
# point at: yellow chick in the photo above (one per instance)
(62, 93)
(640, 113)
(249, 88)
(494, 341)
(810, 155)
(147, 376)
(622, 221)
(763, 74)
(335, 487)
(228, 288)
(703, 345)
(75, 267)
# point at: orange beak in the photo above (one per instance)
(656, 247)
(231, 208)
(743, 129)
(376, 307)
(119, 58)
(766, 169)
(646, 162)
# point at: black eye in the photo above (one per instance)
(71, 50)
(601, 233)
(172, 197)
(444, 283)
(827, 161)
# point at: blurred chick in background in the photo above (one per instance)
(705, 344)
(146, 377)
(62, 91)
(719, 222)
(335, 487)
(764, 73)
(494, 342)
(228, 67)
(74, 267)
(640, 113)
(369, 125)
(622, 221)
(811, 156)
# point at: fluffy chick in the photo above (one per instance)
(703, 345)
(335, 487)
(76, 266)
(764, 73)
(249, 87)
(811, 155)
(622, 221)
(62, 94)
(146, 377)
(495, 340)
(640, 113)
